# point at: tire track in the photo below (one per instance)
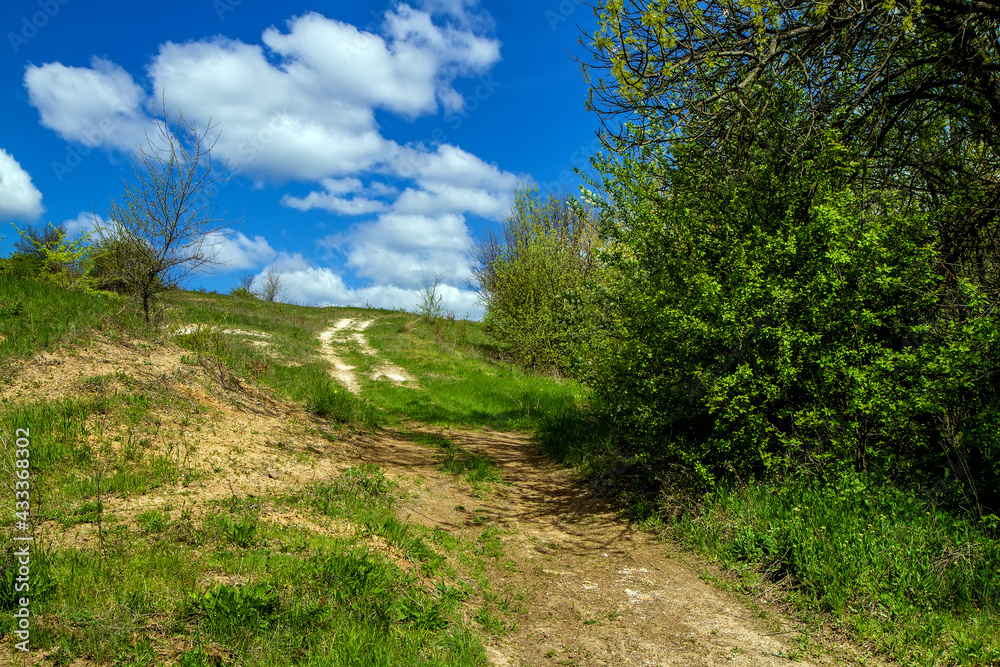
(337, 336)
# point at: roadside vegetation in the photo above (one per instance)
(786, 309)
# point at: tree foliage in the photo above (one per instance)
(913, 88)
(535, 278)
(799, 218)
(32, 240)
(864, 68)
(757, 334)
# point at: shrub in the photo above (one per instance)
(66, 262)
(767, 320)
(536, 279)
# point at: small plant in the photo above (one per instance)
(67, 263)
(235, 606)
(360, 493)
(431, 305)
(242, 533)
(151, 521)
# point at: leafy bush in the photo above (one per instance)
(66, 262)
(536, 280)
(242, 292)
(766, 320)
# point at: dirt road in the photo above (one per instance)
(597, 591)
(585, 588)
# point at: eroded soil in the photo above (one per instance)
(598, 592)
(346, 330)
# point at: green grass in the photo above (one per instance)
(476, 469)
(923, 584)
(237, 588)
(83, 448)
(460, 383)
(37, 315)
(260, 594)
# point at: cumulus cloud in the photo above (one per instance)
(306, 283)
(19, 198)
(84, 223)
(300, 105)
(236, 251)
(100, 105)
(330, 198)
(424, 233)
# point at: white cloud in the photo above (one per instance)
(301, 105)
(96, 106)
(84, 223)
(19, 198)
(424, 233)
(330, 200)
(306, 283)
(236, 251)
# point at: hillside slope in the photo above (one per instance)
(269, 485)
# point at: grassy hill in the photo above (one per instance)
(190, 498)
(255, 483)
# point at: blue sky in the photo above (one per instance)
(371, 142)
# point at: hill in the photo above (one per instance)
(264, 484)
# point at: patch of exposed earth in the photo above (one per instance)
(232, 440)
(599, 592)
(335, 338)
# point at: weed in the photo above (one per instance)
(242, 533)
(234, 607)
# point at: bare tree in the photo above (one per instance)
(273, 287)
(163, 222)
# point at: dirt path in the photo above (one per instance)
(598, 591)
(337, 337)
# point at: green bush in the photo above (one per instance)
(765, 320)
(536, 280)
(242, 292)
(66, 262)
